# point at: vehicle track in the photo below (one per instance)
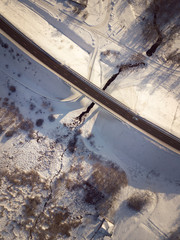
(95, 30)
(97, 95)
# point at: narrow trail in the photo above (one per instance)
(93, 59)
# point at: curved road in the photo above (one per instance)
(97, 95)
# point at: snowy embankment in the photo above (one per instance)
(48, 168)
(47, 37)
(101, 179)
(93, 51)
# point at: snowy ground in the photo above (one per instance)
(97, 45)
(101, 179)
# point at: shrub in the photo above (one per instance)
(108, 178)
(138, 201)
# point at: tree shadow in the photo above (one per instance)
(130, 147)
(59, 25)
(166, 22)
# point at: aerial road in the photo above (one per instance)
(87, 88)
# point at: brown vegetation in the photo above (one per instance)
(54, 223)
(19, 178)
(161, 23)
(138, 201)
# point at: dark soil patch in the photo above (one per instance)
(39, 122)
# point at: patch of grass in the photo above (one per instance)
(138, 201)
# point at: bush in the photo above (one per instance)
(108, 178)
(138, 201)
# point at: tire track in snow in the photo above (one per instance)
(72, 78)
(93, 59)
(155, 229)
(95, 30)
(150, 224)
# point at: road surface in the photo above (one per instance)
(96, 94)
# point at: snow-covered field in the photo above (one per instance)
(99, 179)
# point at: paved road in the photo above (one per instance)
(90, 90)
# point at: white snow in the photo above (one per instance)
(133, 88)
(96, 42)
